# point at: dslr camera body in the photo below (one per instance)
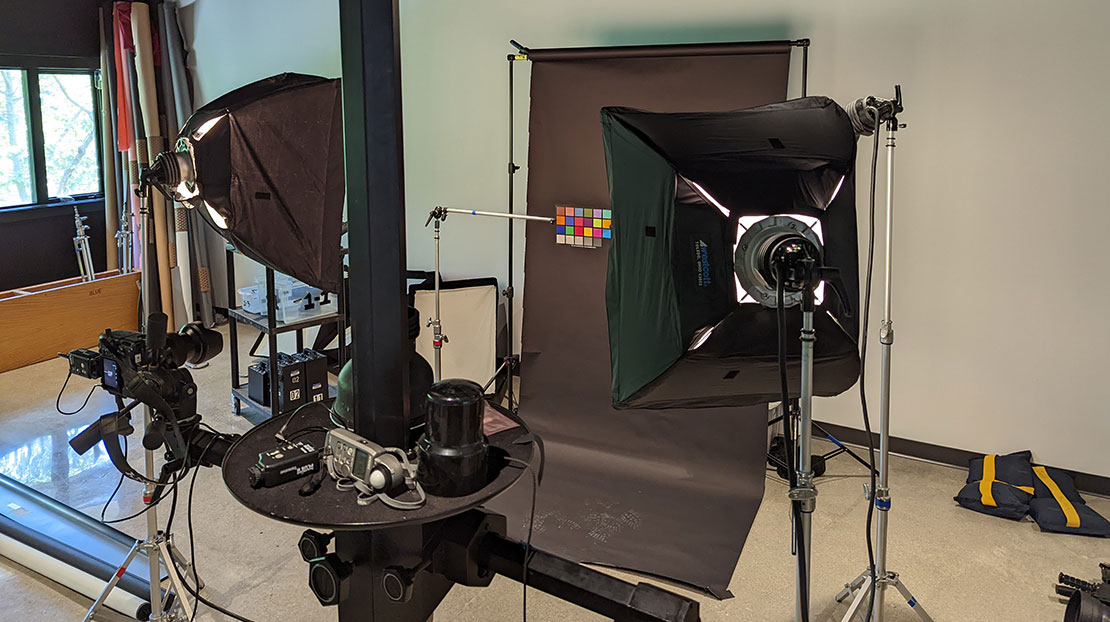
(148, 368)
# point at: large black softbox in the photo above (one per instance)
(684, 187)
(268, 166)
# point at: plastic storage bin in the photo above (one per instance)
(293, 300)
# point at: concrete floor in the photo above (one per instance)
(960, 565)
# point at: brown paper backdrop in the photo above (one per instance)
(670, 493)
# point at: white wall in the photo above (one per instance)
(1001, 228)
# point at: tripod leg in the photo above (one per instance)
(175, 580)
(911, 601)
(857, 603)
(185, 567)
(113, 581)
(851, 587)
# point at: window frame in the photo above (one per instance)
(32, 67)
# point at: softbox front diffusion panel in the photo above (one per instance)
(685, 187)
(268, 161)
(670, 493)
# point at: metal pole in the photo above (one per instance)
(148, 295)
(511, 216)
(437, 324)
(881, 495)
(509, 293)
(886, 339)
(805, 492)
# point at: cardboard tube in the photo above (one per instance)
(148, 103)
(107, 148)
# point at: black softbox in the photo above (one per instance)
(684, 187)
(268, 166)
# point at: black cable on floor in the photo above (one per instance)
(119, 484)
(192, 542)
(528, 543)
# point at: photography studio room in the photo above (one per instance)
(497, 311)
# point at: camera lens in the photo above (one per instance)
(195, 344)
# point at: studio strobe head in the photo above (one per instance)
(453, 452)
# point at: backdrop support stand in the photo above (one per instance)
(439, 214)
(881, 495)
(512, 360)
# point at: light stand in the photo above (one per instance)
(439, 214)
(804, 492)
(794, 263)
(81, 247)
(881, 495)
(157, 545)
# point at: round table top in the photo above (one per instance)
(329, 508)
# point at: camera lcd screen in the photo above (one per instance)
(111, 374)
(362, 460)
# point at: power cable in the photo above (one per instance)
(863, 360)
(58, 402)
(528, 543)
(119, 484)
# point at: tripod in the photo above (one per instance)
(157, 545)
(881, 495)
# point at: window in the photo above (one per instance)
(49, 135)
(16, 184)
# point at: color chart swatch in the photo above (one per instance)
(583, 226)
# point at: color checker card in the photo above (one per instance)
(583, 226)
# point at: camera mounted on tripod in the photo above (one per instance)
(149, 368)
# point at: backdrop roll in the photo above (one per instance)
(666, 492)
(155, 144)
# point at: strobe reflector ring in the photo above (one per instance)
(752, 254)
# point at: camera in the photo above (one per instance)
(149, 369)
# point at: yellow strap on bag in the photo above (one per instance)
(1065, 504)
(987, 481)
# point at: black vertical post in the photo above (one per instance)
(805, 65)
(232, 327)
(370, 43)
(276, 398)
(510, 346)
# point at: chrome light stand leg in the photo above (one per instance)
(81, 247)
(435, 322)
(804, 493)
(881, 495)
(157, 543)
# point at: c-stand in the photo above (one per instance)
(149, 370)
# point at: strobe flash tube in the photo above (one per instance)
(781, 240)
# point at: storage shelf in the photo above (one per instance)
(241, 394)
(238, 315)
(259, 321)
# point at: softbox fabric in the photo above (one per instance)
(269, 161)
(670, 493)
(680, 185)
